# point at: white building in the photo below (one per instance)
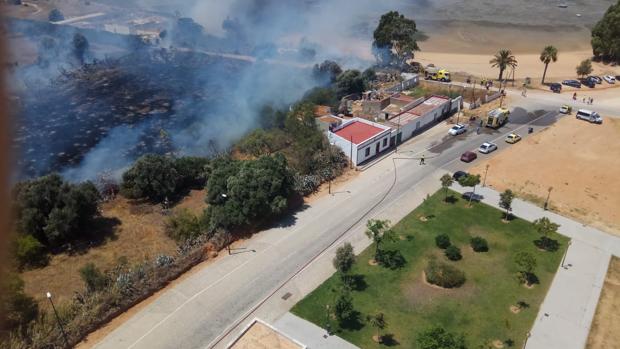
(360, 139)
(414, 120)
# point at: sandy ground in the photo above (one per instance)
(138, 235)
(605, 333)
(578, 159)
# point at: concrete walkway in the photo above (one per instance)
(566, 314)
(310, 334)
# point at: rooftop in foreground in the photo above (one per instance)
(358, 132)
(259, 335)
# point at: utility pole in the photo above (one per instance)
(62, 330)
(351, 151)
(397, 133)
(548, 195)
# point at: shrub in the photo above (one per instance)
(453, 253)
(443, 275)
(183, 225)
(93, 278)
(30, 252)
(479, 244)
(442, 241)
(192, 172)
(152, 177)
(343, 308)
(391, 259)
(439, 338)
(547, 244)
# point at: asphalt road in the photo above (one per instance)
(200, 310)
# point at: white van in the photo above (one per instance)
(590, 116)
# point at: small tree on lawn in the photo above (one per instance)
(379, 231)
(505, 201)
(470, 181)
(526, 263)
(343, 309)
(584, 68)
(377, 321)
(438, 338)
(446, 182)
(546, 227)
(343, 261)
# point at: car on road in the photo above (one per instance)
(487, 147)
(589, 115)
(596, 79)
(513, 138)
(457, 129)
(566, 109)
(610, 79)
(468, 156)
(470, 195)
(458, 174)
(555, 87)
(572, 83)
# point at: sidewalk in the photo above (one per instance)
(566, 314)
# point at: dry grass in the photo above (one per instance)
(139, 236)
(604, 333)
(578, 159)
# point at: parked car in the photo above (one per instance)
(469, 156)
(566, 109)
(513, 138)
(473, 196)
(610, 79)
(591, 83)
(589, 115)
(457, 129)
(596, 79)
(555, 87)
(572, 83)
(459, 174)
(487, 147)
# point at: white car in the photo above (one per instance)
(487, 147)
(610, 79)
(457, 129)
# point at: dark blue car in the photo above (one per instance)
(572, 83)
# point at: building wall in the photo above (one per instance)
(357, 152)
(370, 146)
(413, 127)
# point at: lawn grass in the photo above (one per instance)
(480, 309)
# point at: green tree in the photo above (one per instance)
(470, 181)
(93, 278)
(526, 264)
(546, 228)
(343, 309)
(192, 172)
(30, 252)
(502, 60)
(505, 201)
(606, 34)
(438, 338)
(395, 38)
(328, 70)
(344, 260)
(379, 231)
(80, 46)
(446, 182)
(549, 54)
(16, 307)
(378, 322)
(453, 253)
(584, 68)
(350, 81)
(55, 15)
(152, 177)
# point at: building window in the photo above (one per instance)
(384, 142)
(367, 151)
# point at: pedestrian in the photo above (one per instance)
(584, 99)
(591, 100)
(422, 160)
(575, 96)
(478, 130)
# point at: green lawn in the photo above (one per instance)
(480, 309)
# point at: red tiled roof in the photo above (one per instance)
(358, 132)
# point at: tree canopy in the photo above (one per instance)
(503, 59)
(326, 71)
(395, 38)
(439, 338)
(584, 68)
(606, 34)
(549, 54)
(344, 259)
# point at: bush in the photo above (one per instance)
(442, 241)
(453, 253)
(479, 244)
(439, 338)
(30, 252)
(184, 225)
(192, 172)
(443, 275)
(152, 177)
(93, 278)
(391, 259)
(547, 244)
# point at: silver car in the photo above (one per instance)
(487, 147)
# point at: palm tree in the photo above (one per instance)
(502, 60)
(377, 321)
(549, 54)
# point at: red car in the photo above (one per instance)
(469, 156)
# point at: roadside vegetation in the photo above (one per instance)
(469, 279)
(606, 35)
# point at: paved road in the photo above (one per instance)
(205, 308)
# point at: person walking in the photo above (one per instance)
(422, 160)
(575, 96)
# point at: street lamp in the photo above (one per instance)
(565, 253)
(548, 195)
(62, 330)
(225, 196)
